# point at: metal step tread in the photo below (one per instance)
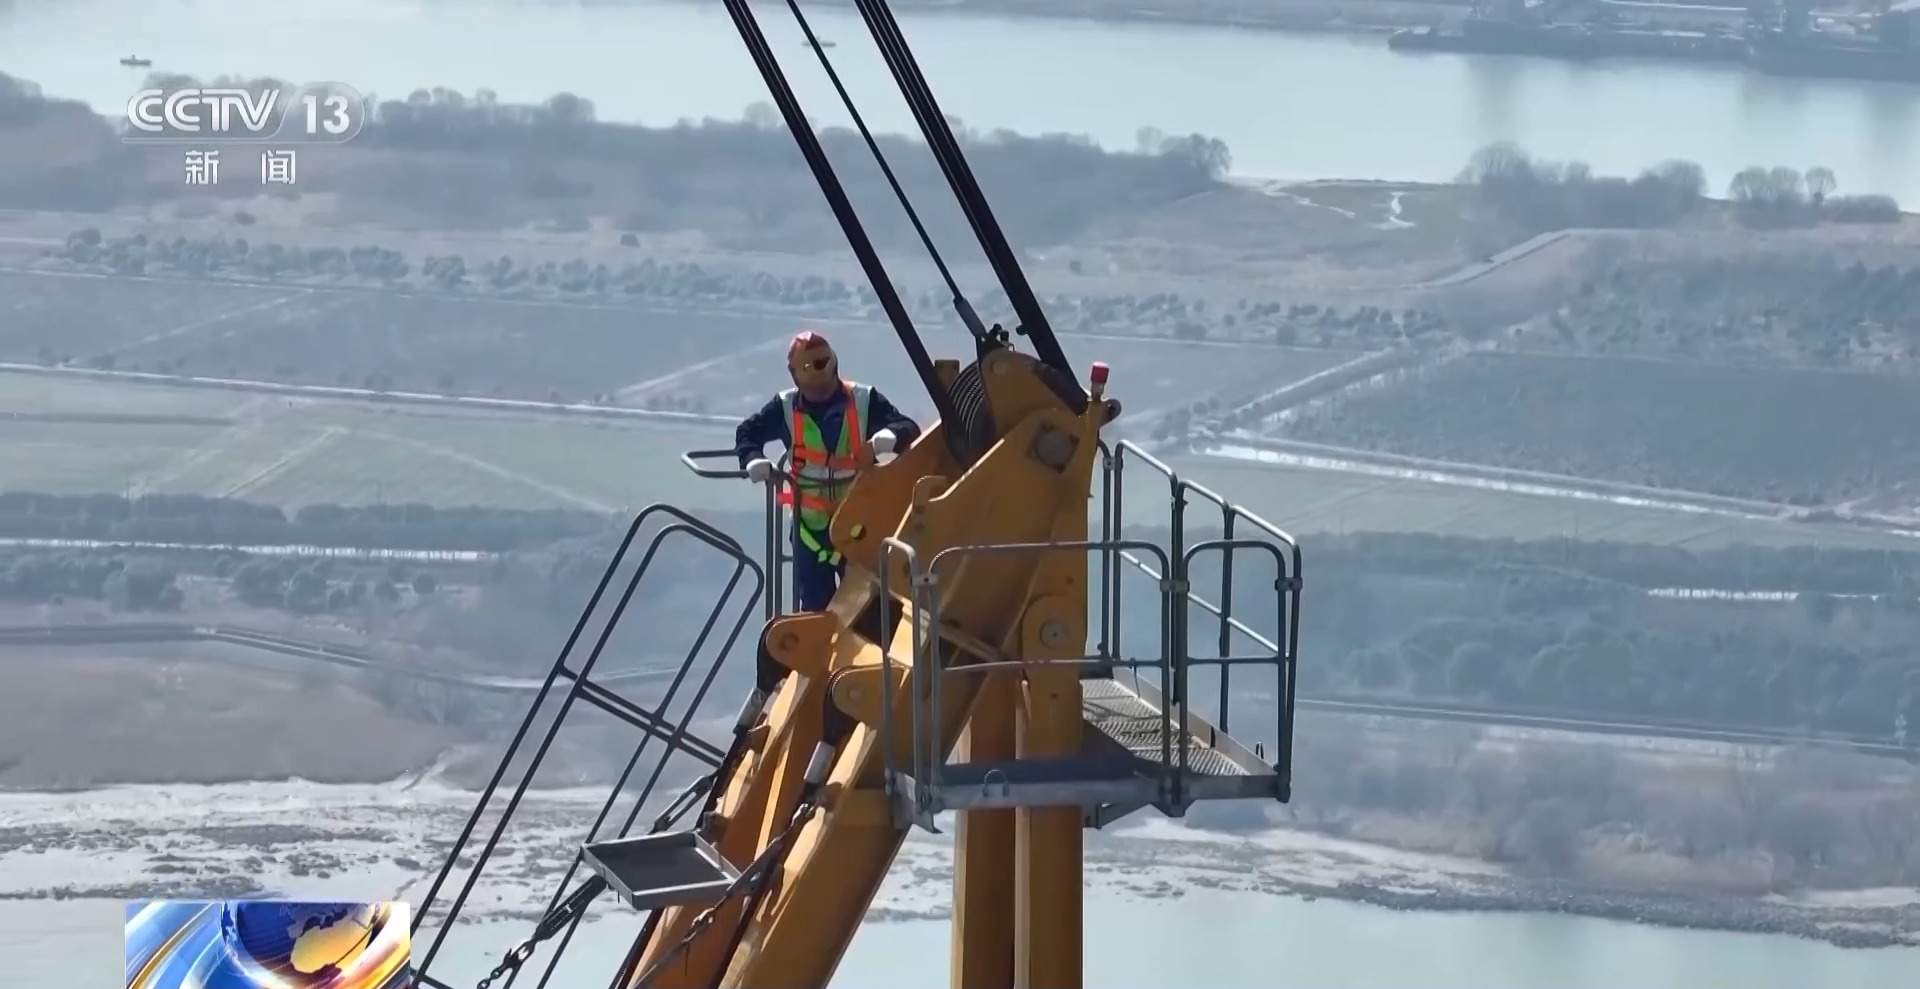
(1132, 722)
(656, 870)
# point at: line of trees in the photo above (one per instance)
(138, 584)
(443, 118)
(319, 586)
(1781, 196)
(1045, 188)
(372, 264)
(1545, 195)
(501, 164)
(152, 582)
(1570, 627)
(224, 521)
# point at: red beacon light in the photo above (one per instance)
(1099, 379)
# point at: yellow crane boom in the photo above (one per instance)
(1018, 871)
(950, 673)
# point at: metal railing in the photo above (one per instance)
(777, 554)
(1169, 566)
(1288, 582)
(929, 665)
(663, 720)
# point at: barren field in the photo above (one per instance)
(479, 347)
(726, 362)
(1256, 237)
(1800, 436)
(49, 397)
(79, 317)
(168, 720)
(1148, 374)
(294, 451)
(345, 337)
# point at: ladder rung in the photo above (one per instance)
(658, 870)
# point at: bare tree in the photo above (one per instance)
(762, 115)
(1502, 161)
(1749, 186)
(1787, 186)
(1820, 182)
(1685, 177)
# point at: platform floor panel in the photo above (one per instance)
(1132, 722)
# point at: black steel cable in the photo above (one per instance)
(810, 149)
(756, 874)
(888, 45)
(933, 125)
(1033, 321)
(879, 157)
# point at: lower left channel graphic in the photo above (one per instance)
(268, 944)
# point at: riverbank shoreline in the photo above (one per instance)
(1361, 18)
(302, 839)
(1857, 927)
(1311, 865)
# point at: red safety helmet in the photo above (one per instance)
(813, 364)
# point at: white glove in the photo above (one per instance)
(759, 469)
(884, 441)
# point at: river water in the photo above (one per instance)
(1207, 938)
(1289, 106)
(1221, 940)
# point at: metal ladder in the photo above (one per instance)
(672, 865)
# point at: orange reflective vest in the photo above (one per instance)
(824, 474)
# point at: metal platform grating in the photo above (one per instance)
(657, 870)
(1118, 768)
(1116, 711)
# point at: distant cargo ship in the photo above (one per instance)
(1497, 38)
(1893, 55)
(1494, 37)
(1852, 60)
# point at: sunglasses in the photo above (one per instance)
(817, 364)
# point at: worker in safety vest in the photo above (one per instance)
(832, 429)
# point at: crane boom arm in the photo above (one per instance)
(961, 621)
(811, 794)
(809, 813)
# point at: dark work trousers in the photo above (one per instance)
(816, 581)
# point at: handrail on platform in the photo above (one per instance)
(1169, 566)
